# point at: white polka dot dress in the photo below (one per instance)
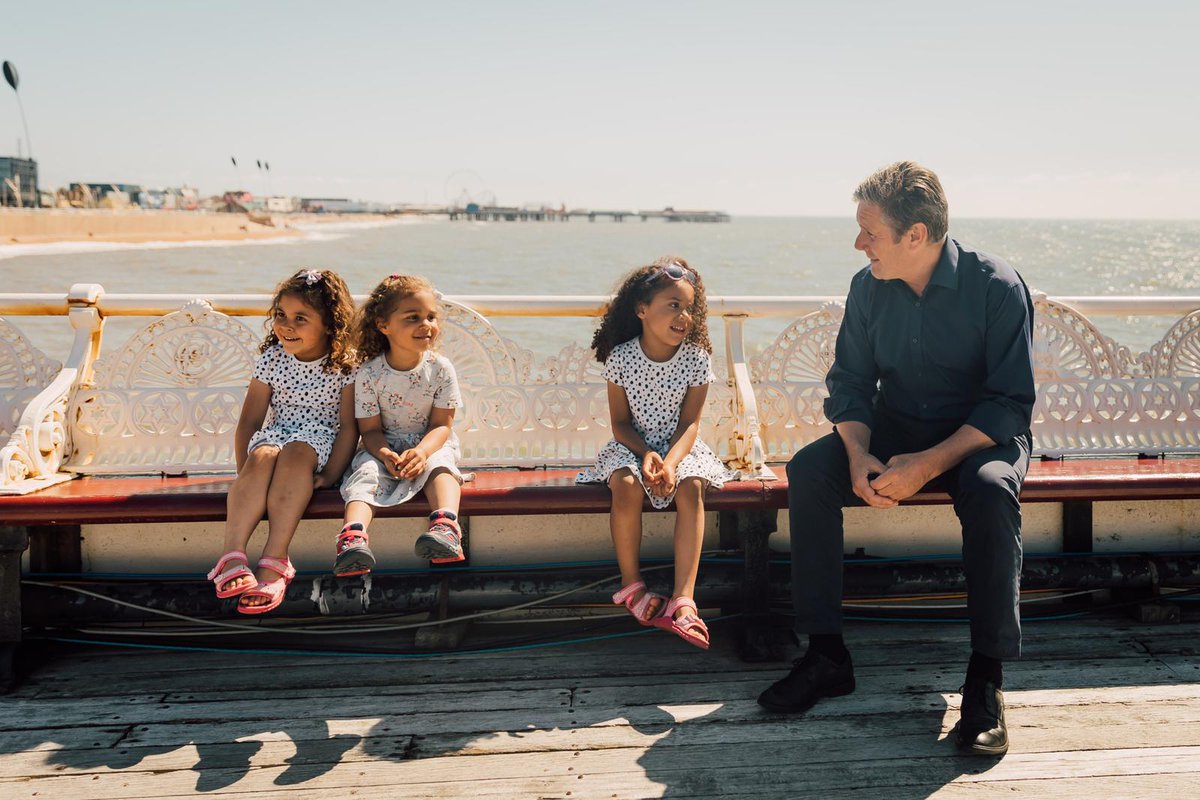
(403, 400)
(304, 402)
(655, 390)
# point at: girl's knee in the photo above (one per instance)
(622, 480)
(263, 456)
(298, 453)
(625, 488)
(690, 490)
(443, 475)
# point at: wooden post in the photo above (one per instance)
(13, 541)
(748, 530)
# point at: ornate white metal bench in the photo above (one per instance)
(165, 403)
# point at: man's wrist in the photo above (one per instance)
(931, 462)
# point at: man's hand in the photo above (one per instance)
(904, 476)
(861, 471)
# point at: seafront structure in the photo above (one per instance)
(494, 213)
(18, 182)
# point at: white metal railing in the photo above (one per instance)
(167, 399)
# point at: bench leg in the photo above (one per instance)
(759, 638)
(449, 636)
(13, 541)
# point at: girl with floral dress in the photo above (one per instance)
(295, 433)
(405, 395)
(653, 342)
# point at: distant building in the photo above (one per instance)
(173, 198)
(18, 182)
(114, 195)
(281, 205)
(341, 205)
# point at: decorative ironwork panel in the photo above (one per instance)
(789, 382)
(169, 399)
(24, 371)
(1094, 396)
(1178, 354)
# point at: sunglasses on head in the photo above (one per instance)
(673, 270)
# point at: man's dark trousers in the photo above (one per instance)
(985, 488)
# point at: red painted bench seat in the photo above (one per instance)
(95, 500)
(554, 491)
(1108, 478)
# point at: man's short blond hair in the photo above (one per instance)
(907, 193)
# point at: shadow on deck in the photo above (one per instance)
(1098, 707)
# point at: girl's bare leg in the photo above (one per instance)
(246, 502)
(625, 524)
(358, 511)
(291, 489)
(443, 490)
(689, 537)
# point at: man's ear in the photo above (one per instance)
(917, 235)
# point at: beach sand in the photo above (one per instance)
(47, 226)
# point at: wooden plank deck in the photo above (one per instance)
(1098, 708)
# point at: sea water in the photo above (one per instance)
(748, 256)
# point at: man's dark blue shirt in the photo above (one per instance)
(960, 353)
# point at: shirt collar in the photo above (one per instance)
(945, 273)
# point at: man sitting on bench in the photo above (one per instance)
(932, 382)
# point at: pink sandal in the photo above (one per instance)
(272, 590)
(220, 578)
(638, 609)
(689, 627)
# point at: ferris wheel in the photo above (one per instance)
(464, 187)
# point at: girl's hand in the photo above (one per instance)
(652, 469)
(411, 463)
(391, 460)
(668, 479)
(322, 481)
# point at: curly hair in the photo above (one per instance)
(383, 300)
(621, 323)
(325, 292)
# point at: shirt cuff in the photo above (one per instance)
(998, 423)
(842, 411)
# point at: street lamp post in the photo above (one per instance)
(10, 75)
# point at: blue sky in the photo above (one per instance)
(1025, 109)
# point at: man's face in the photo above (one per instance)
(887, 252)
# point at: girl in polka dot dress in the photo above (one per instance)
(295, 434)
(653, 342)
(404, 398)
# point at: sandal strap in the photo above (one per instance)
(681, 602)
(691, 621)
(442, 518)
(219, 570)
(648, 597)
(283, 567)
(349, 534)
(225, 577)
(627, 591)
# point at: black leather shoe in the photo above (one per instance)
(982, 731)
(811, 678)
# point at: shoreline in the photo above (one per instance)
(60, 226)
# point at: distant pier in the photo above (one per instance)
(519, 214)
